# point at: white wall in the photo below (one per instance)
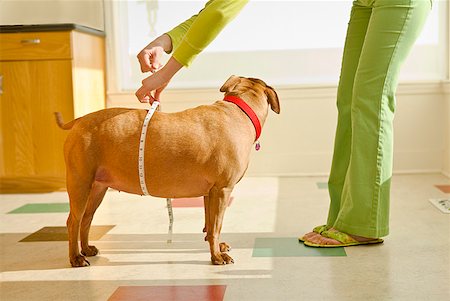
(300, 140)
(83, 12)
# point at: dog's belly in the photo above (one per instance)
(176, 190)
(164, 184)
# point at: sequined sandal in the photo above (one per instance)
(344, 239)
(318, 230)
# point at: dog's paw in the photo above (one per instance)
(89, 251)
(79, 261)
(224, 247)
(222, 259)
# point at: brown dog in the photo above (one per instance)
(202, 151)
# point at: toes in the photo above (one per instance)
(90, 251)
(227, 258)
(224, 247)
(79, 261)
(311, 236)
(217, 260)
(222, 259)
(329, 241)
(319, 239)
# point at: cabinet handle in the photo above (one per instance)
(30, 41)
(1, 84)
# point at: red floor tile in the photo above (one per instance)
(169, 293)
(443, 188)
(191, 202)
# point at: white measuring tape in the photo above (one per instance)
(142, 167)
(142, 147)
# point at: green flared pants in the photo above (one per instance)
(379, 37)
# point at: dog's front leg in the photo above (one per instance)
(224, 247)
(215, 209)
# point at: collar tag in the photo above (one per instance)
(257, 145)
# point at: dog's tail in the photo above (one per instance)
(61, 124)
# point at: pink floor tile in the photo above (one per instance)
(443, 188)
(191, 202)
(172, 293)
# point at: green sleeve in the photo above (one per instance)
(192, 36)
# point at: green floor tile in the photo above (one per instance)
(290, 247)
(322, 185)
(42, 208)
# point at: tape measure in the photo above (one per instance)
(142, 146)
(141, 168)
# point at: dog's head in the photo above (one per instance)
(236, 85)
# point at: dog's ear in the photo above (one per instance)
(230, 83)
(272, 98)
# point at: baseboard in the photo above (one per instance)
(327, 174)
(319, 164)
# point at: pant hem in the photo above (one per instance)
(361, 230)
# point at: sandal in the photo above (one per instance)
(318, 230)
(344, 239)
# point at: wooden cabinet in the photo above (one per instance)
(42, 72)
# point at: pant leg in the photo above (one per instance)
(393, 28)
(356, 33)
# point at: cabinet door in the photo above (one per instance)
(31, 143)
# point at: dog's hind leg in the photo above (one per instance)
(218, 202)
(94, 200)
(78, 188)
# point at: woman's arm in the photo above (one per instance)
(195, 34)
(187, 40)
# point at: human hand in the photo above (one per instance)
(150, 58)
(153, 85)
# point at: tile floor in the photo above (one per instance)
(261, 225)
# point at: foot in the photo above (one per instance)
(89, 251)
(79, 261)
(224, 247)
(221, 259)
(319, 239)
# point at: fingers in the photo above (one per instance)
(144, 95)
(153, 85)
(144, 60)
(150, 59)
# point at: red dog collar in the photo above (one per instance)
(247, 110)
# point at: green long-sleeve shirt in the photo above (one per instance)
(192, 36)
